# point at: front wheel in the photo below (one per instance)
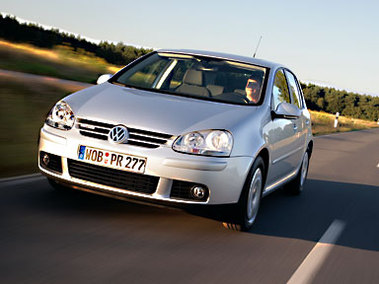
(250, 200)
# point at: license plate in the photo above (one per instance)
(112, 159)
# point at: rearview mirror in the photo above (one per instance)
(103, 78)
(286, 110)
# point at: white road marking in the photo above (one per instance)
(20, 179)
(308, 269)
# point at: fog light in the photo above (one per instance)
(198, 192)
(46, 159)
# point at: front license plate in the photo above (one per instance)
(112, 159)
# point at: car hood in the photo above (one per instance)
(154, 111)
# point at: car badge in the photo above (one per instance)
(118, 134)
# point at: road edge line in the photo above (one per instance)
(17, 178)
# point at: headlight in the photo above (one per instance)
(206, 142)
(61, 116)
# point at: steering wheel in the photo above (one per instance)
(242, 97)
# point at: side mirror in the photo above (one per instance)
(103, 78)
(286, 110)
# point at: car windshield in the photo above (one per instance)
(196, 76)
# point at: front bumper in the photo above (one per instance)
(224, 177)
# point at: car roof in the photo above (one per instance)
(220, 55)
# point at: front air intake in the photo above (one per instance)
(112, 177)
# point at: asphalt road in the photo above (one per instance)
(52, 237)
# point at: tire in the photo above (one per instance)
(296, 186)
(248, 205)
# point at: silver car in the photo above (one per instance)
(183, 127)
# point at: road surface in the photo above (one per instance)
(329, 234)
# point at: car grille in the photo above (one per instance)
(137, 137)
(111, 177)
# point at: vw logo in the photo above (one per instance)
(118, 134)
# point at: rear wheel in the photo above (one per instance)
(296, 186)
(250, 200)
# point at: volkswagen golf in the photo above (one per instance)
(183, 127)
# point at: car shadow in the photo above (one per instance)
(305, 217)
(308, 216)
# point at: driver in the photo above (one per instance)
(253, 90)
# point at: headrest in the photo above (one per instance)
(193, 77)
(215, 89)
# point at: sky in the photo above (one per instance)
(331, 43)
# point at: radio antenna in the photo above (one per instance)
(259, 42)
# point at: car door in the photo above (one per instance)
(301, 122)
(281, 134)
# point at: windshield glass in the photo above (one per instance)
(196, 76)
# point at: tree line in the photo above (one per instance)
(346, 103)
(317, 97)
(118, 54)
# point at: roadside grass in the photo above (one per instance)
(61, 62)
(24, 104)
(323, 123)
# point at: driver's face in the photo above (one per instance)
(251, 89)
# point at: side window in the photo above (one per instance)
(294, 89)
(280, 91)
